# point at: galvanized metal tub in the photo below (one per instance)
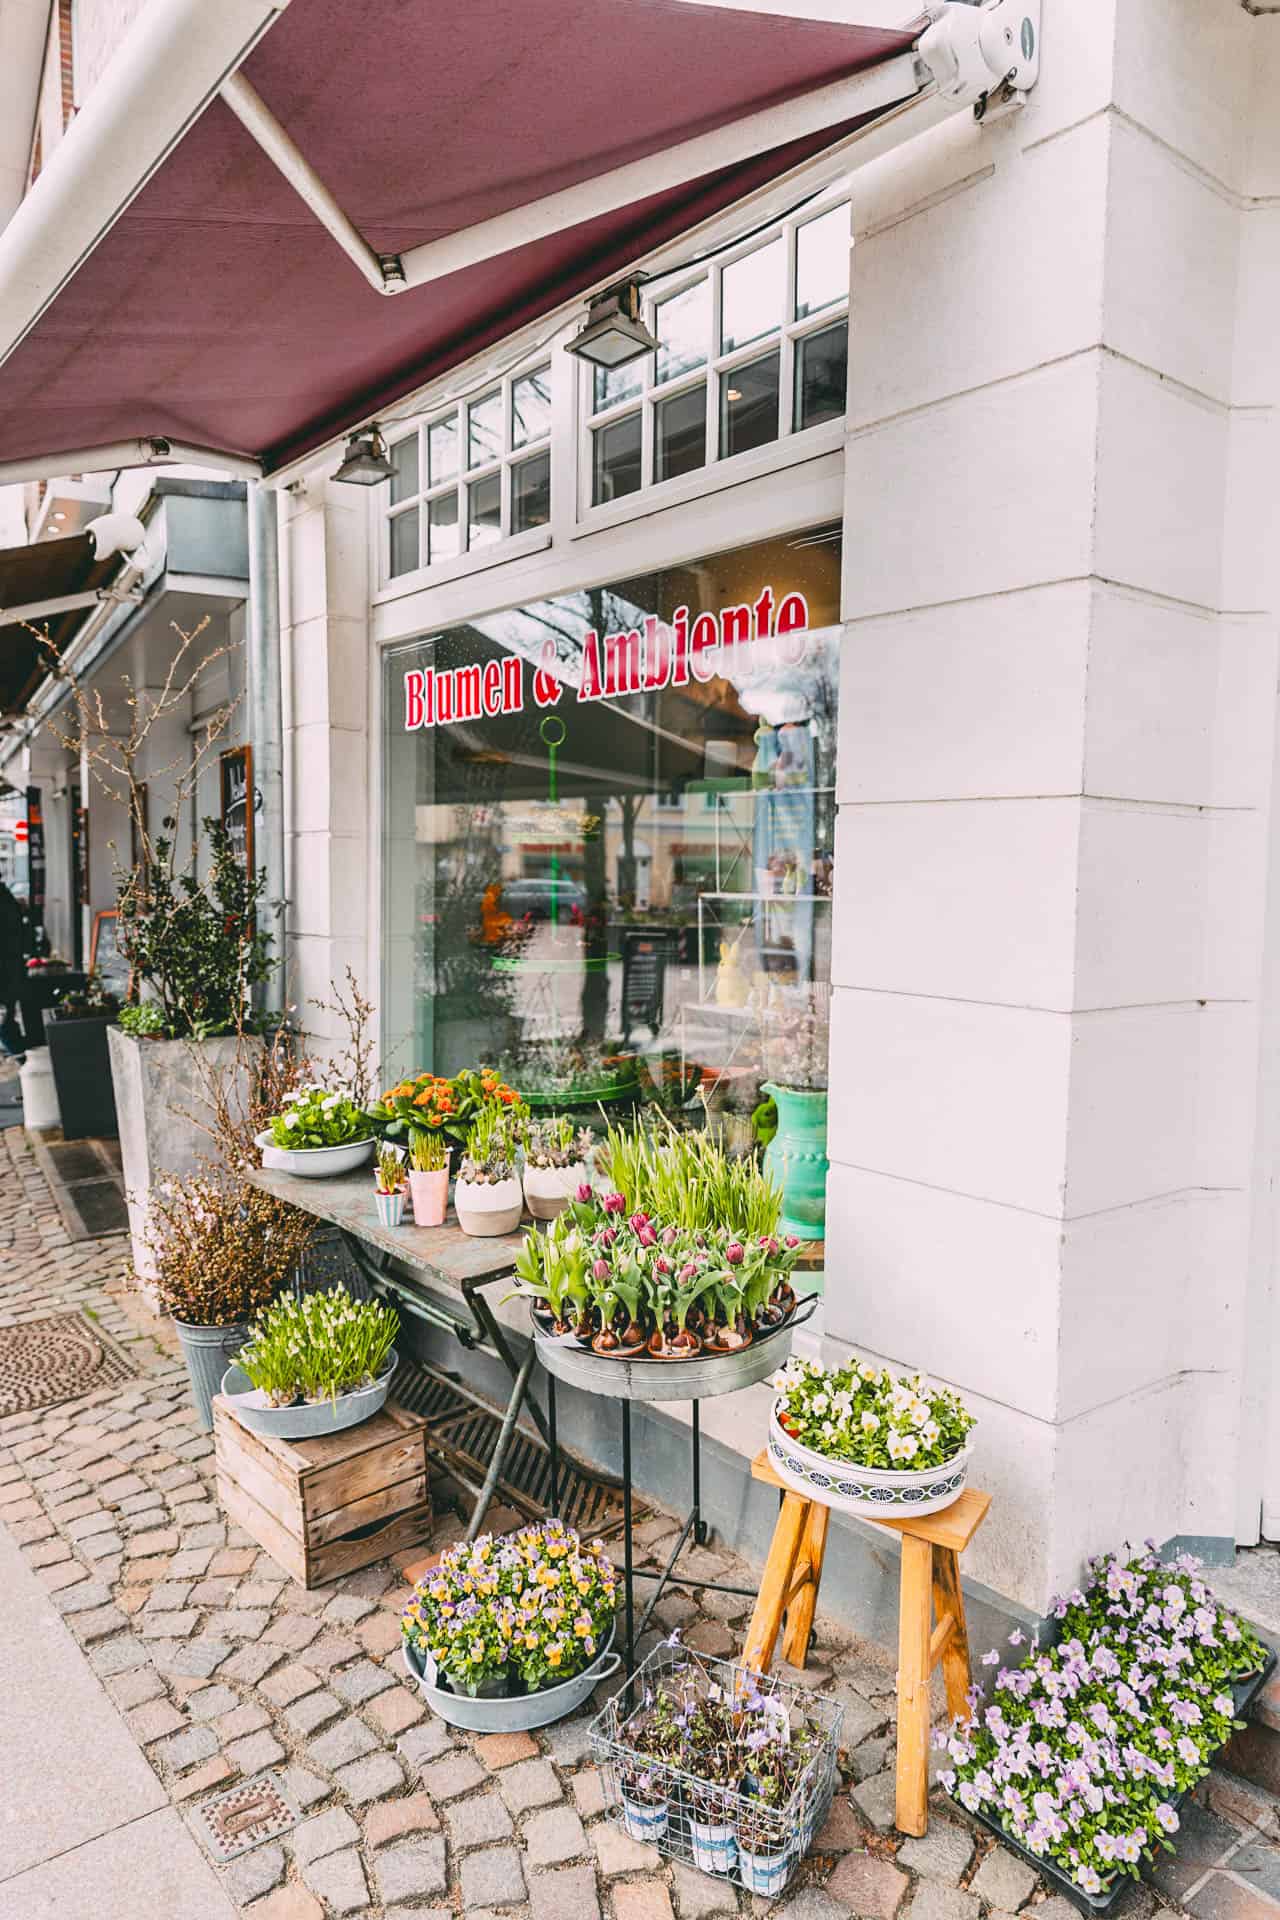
(310, 1422)
(701, 1378)
(314, 1163)
(517, 1712)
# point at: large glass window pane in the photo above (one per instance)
(612, 384)
(404, 459)
(531, 493)
(442, 517)
(616, 459)
(680, 433)
(442, 450)
(749, 405)
(484, 429)
(751, 292)
(822, 366)
(822, 262)
(531, 407)
(484, 511)
(682, 325)
(404, 542)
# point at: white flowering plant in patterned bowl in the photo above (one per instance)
(868, 1441)
(319, 1132)
(1082, 1753)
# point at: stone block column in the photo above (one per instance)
(1057, 711)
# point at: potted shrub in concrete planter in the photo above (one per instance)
(222, 1251)
(75, 1031)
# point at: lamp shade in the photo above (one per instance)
(613, 332)
(365, 461)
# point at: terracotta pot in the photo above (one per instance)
(429, 1194)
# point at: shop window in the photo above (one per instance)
(472, 476)
(758, 341)
(608, 870)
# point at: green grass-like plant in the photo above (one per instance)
(687, 1179)
(428, 1152)
(318, 1347)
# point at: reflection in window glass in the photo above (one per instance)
(751, 293)
(682, 324)
(531, 493)
(531, 407)
(442, 450)
(749, 405)
(484, 429)
(822, 261)
(443, 526)
(404, 459)
(821, 375)
(484, 511)
(616, 459)
(680, 434)
(613, 384)
(404, 542)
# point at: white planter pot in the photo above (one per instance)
(39, 1095)
(488, 1208)
(548, 1190)
(314, 1163)
(873, 1493)
(160, 1105)
(715, 1845)
(643, 1821)
(765, 1873)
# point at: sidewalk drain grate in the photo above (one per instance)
(243, 1817)
(58, 1358)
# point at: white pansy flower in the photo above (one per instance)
(291, 1119)
(870, 1422)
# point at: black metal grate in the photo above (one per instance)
(464, 1432)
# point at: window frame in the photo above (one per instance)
(508, 543)
(790, 443)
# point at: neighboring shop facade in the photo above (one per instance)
(1037, 557)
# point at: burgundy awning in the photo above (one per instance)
(217, 311)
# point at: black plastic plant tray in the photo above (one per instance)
(1244, 1693)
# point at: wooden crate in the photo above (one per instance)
(324, 1507)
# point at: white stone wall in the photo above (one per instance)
(1057, 715)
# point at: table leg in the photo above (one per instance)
(553, 1449)
(800, 1611)
(762, 1634)
(949, 1601)
(626, 1537)
(500, 1450)
(699, 1524)
(915, 1627)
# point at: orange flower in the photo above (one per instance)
(422, 1099)
(506, 1095)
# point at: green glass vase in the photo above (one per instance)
(796, 1157)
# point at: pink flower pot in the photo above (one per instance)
(429, 1193)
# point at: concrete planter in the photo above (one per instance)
(82, 1073)
(160, 1102)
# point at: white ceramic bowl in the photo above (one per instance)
(872, 1493)
(314, 1163)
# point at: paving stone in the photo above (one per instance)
(195, 1743)
(867, 1885)
(699, 1895)
(497, 1750)
(412, 1869)
(345, 1609)
(340, 1882)
(47, 1552)
(569, 1741)
(554, 1836)
(154, 1720)
(871, 1757)
(213, 1593)
(190, 1563)
(842, 1829)
(287, 1903)
(249, 1663)
(83, 1597)
(933, 1901)
(725, 1606)
(1203, 1839)
(212, 1774)
(493, 1878)
(941, 1854)
(292, 1631)
(66, 1574)
(641, 1900)
(98, 1623)
(588, 1792)
(131, 1689)
(168, 1595)
(323, 1833)
(288, 1684)
(254, 1873)
(455, 1773)
(118, 1655)
(207, 1703)
(101, 1546)
(331, 1650)
(169, 1626)
(255, 1751)
(236, 1561)
(1003, 1881)
(380, 1634)
(339, 1746)
(531, 1783)
(569, 1893)
(393, 1819)
(239, 1623)
(861, 1718)
(361, 1682)
(157, 1540)
(809, 1903)
(876, 1799)
(618, 1853)
(425, 1743)
(313, 1711)
(710, 1636)
(1240, 1800)
(372, 1778)
(395, 1710)
(478, 1820)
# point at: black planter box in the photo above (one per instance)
(82, 1074)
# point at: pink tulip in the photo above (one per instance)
(735, 1254)
(583, 1192)
(615, 1203)
(600, 1269)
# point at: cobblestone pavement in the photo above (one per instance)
(222, 1668)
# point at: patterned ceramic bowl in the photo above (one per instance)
(873, 1493)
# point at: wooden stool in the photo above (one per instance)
(931, 1549)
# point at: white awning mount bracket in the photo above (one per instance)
(980, 54)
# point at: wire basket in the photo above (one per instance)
(716, 1829)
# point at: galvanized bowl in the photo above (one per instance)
(517, 1712)
(870, 1493)
(700, 1378)
(309, 1422)
(314, 1163)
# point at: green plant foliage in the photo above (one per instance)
(316, 1117)
(688, 1179)
(870, 1416)
(145, 1021)
(315, 1348)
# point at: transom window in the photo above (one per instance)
(470, 476)
(752, 349)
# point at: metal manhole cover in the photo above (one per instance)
(243, 1817)
(45, 1361)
